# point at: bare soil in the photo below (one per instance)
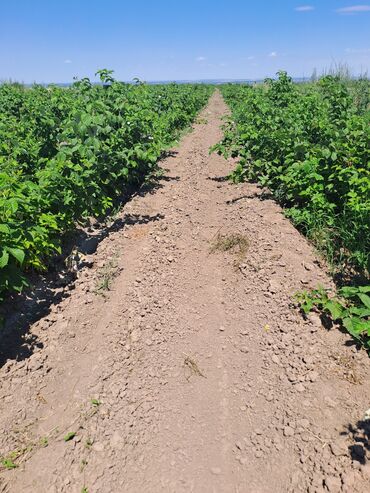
(180, 363)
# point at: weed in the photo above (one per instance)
(69, 436)
(235, 243)
(106, 276)
(192, 365)
(8, 464)
(44, 442)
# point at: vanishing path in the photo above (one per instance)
(206, 377)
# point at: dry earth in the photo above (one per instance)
(205, 376)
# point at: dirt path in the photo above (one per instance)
(205, 376)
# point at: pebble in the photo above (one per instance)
(313, 376)
(275, 359)
(329, 402)
(333, 484)
(315, 319)
(304, 423)
(98, 447)
(348, 478)
(339, 448)
(274, 286)
(216, 471)
(288, 431)
(300, 387)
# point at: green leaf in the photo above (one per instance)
(335, 309)
(69, 436)
(4, 259)
(355, 326)
(4, 228)
(361, 312)
(364, 289)
(17, 253)
(365, 299)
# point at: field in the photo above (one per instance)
(309, 145)
(217, 335)
(69, 154)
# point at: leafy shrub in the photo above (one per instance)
(67, 153)
(310, 145)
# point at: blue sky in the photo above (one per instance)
(52, 41)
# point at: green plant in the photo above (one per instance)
(309, 144)
(351, 308)
(67, 154)
(8, 464)
(69, 436)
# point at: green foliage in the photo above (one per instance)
(67, 154)
(351, 308)
(8, 464)
(69, 436)
(309, 144)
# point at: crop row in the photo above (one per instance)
(67, 154)
(309, 145)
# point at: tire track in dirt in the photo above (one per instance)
(207, 378)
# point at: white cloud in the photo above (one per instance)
(200, 58)
(273, 54)
(354, 9)
(305, 8)
(67, 61)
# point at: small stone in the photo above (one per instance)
(315, 319)
(365, 469)
(333, 484)
(313, 376)
(329, 402)
(258, 454)
(288, 431)
(216, 471)
(304, 423)
(339, 448)
(307, 359)
(98, 447)
(274, 286)
(300, 387)
(221, 328)
(348, 478)
(275, 359)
